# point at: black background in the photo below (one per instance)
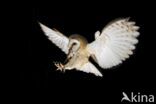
(135, 75)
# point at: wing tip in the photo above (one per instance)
(99, 75)
(41, 25)
(39, 22)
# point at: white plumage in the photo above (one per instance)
(115, 44)
(111, 47)
(56, 37)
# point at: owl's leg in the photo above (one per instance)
(62, 67)
(69, 65)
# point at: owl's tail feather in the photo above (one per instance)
(90, 68)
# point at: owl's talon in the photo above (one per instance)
(59, 66)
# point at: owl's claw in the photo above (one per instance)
(59, 66)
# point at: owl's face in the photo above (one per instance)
(73, 45)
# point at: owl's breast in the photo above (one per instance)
(78, 59)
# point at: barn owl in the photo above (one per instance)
(113, 45)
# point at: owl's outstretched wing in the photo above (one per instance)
(115, 44)
(56, 37)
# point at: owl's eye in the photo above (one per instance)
(74, 43)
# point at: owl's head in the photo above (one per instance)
(77, 42)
